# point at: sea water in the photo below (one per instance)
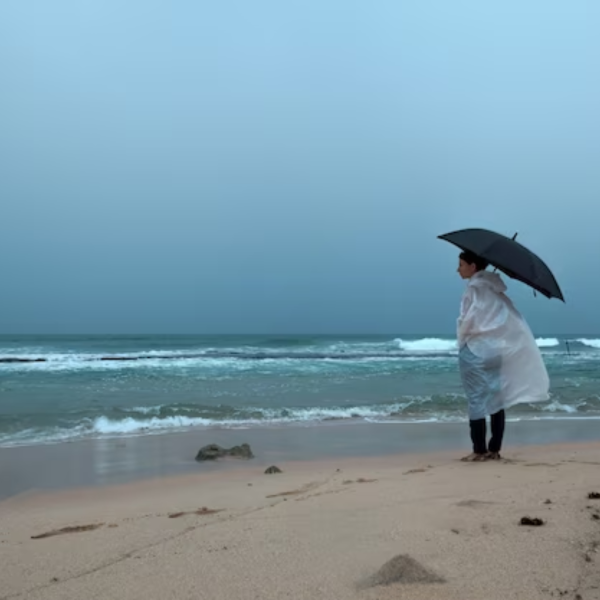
(63, 388)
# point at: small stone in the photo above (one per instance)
(273, 469)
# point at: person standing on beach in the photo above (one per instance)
(500, 363)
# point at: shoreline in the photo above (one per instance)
(108, 462)
(278, 424)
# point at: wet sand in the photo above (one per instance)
(122, 460)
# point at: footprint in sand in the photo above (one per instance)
(70, 529)
(474, 503)
(326, 493)
(359, 480)
(200, 511)
(305, 488)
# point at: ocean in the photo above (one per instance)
(64, 388)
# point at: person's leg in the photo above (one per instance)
(474, 383)
(498, 421)
(478, 434)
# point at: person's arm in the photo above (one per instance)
(468, 316)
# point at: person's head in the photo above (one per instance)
(469, 264)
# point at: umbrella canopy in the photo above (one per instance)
(508, 256)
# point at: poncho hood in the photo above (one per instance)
(487, 279)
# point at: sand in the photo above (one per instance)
(410, 526)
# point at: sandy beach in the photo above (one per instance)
(319, 529)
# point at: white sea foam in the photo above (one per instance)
(427, 345)
(590, 343)
(105, 425)
(556, 406)
(547, 342)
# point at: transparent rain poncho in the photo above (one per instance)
(500, 363)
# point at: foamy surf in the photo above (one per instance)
(161, 419)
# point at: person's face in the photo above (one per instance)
(465, 270)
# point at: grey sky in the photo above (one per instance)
(286, 166)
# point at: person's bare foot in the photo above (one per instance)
(473, 457)
(493, 456)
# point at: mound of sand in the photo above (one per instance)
(402, 569)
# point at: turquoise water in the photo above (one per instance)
(59, 388)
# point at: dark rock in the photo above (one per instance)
(242, 451)
(272, 470)
(210, 452)
(535, 522)
(214, 451)
(594, 495)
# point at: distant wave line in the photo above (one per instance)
(247, 356)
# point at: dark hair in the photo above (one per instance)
(473, 259)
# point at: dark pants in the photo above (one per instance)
(478, 433)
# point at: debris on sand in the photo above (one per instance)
(402, 569)
(534, 522)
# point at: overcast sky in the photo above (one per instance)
(191, 166)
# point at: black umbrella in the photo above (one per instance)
(509, 256)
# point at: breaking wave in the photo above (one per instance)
(144, 420)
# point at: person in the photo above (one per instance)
(500, 364)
